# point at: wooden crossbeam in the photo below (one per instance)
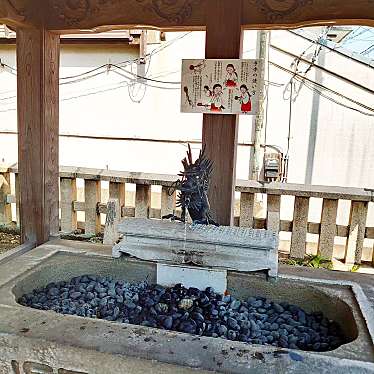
(72, 16)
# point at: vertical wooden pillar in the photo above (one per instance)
(220, 132)
(38, 103)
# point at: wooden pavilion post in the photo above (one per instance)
(220, 132)
(38, 104)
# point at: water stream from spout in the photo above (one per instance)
(185, 231)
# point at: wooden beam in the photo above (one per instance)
(69, 16)
(275, 14)
(38, 110)
(94, 14)
(195, 14)
(80, 41)
(12, 12)
(220, 132)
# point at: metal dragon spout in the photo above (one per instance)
(193, 186)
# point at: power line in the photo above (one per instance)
(102, 69)
(335, 49)
(295, 75)
(303, 79)
(140, 77)
(121, 85)
(148, 140)
(347, 80)
(368, 50)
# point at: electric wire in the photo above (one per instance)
(102, 69)
(120, 85)
(304, 79)
(334, 49)
(124, 73)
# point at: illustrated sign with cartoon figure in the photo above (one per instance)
(221, 86)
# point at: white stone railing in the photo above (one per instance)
(327, 229)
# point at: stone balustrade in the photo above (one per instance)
(327, 228)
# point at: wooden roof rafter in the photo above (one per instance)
(67, 16)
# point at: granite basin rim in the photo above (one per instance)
(101, 337)
(199, 241)
(317, 293)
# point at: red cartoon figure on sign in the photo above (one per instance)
(214, 98)
(244, 99)
(231, 79)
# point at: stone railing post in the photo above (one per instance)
(92, 197)
(68, 188)
(142, 201)
(5, 207)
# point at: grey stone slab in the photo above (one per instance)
(234, 248)
(233, 236)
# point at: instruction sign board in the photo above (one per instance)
(221, 86)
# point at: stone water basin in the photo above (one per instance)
(54, 263)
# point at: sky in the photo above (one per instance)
(360, 40)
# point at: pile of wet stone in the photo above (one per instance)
(255, 320)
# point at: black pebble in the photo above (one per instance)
(256, 320)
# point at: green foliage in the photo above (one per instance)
(355, 268)
(319, 262)
(313, 261)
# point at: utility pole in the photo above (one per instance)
(142, 56)
(258, 129)
(314, 121)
